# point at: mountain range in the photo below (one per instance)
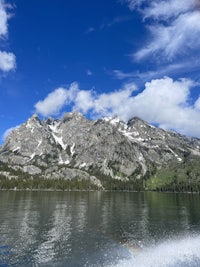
(104, 154)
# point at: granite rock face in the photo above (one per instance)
(76, 147)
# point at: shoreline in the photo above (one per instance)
(91, 190)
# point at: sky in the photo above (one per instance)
(102, 58)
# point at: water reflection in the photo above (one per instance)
(89, 228)
(56, 236)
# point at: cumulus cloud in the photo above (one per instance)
(55, 101)
(7, 59)
(83, 101)
(164, 102)
(173, 26)
(52, 104)
(114, 103)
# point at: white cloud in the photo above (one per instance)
(72, 92)
(7, 61)
(197, 104)
(161, 8)
(56, 100)
(132, 4)
(173, 26)
(163, 101)
(166, 103)
(173, 40)
(120, 75)
(53, 103)
(114, 103)
(167, 9)
(84, 101)
(182, 67)
(3, 20)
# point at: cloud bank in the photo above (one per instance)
(7, 59)
(165, 102)
(173, 26)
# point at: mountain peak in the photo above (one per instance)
(34, 119)
(72, 115)
(136, 121)
(35, 115)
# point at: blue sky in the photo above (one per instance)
(103, 58)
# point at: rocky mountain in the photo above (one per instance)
(106, 153)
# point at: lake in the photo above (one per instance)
(111, 229)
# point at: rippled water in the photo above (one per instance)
(99, 229)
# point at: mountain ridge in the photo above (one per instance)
(102, 152)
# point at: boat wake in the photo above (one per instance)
(183, 252)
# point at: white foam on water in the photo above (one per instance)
(172, 253)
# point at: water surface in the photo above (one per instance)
(99, 229)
